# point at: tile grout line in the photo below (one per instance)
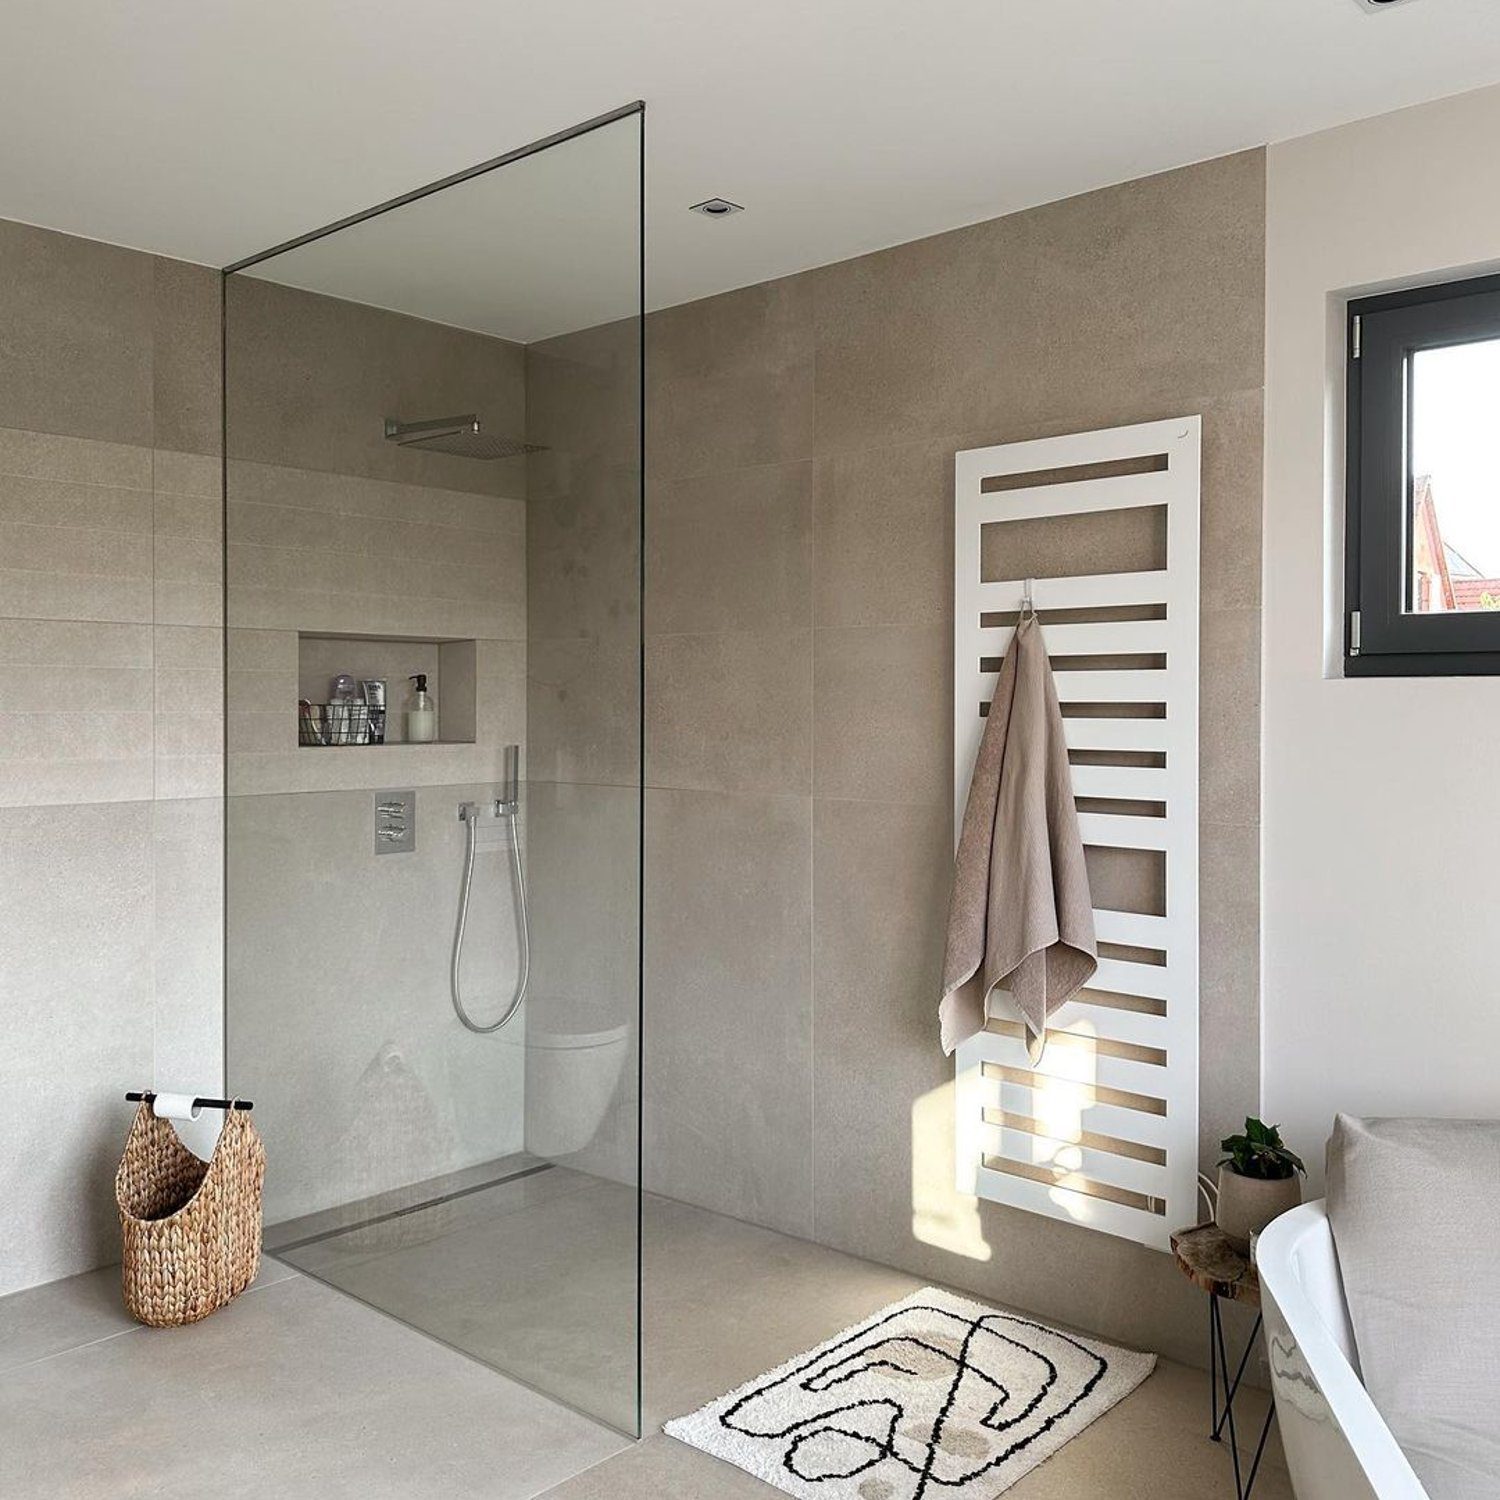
(119, 1333)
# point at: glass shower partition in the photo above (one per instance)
(433, 501)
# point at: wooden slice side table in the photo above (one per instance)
(1205, 1256)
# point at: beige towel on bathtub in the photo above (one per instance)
(1021, 916)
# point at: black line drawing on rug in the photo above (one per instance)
(838, 1441)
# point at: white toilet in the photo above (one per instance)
(571, 1080)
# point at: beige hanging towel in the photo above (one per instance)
(1021, 916)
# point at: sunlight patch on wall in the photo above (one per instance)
(942, 1215)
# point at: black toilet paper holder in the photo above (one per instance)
(146, 1097)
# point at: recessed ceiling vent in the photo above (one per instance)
(1378, 4)
(717, 208)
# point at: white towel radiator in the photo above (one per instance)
(1104, 1130)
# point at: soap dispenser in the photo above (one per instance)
(421, 717)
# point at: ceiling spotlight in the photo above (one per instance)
(717, 208)
(1378, 4)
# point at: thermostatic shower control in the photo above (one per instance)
(395, 822)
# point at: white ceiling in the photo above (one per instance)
(209, 129)
(542, 245)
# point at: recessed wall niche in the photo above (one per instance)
(448, 665)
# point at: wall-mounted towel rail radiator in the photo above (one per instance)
(1104, 1130)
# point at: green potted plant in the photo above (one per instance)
(1259, 1179)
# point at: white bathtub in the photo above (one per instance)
(1337, 1447)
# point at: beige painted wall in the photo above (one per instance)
(799, 641)
(110, 691)
(1380, 793)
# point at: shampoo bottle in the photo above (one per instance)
(421, 717)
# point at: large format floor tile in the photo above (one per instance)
(62, 1315)
(298, 1391)
(294, 1391)
(725, 1301)
(535, 1276)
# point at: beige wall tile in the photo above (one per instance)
(732, 380)
(51, 782)
(728, 1068)
(50, 455)
(883, 523)
(186, 372)
(190, 776)
(500, 708)
(373, 499)
(54, 596)
(189, 547)
(47, 689)
(195, 517)
(357, 768)
(187, 856)
(1136, 303)
(76, 552)
(1153, 288)
(75, 734)
(583, 709)
(77, 315)
(583, 882)
(730, 712)
(583, 394)
(76, 955)
(1128, 879)
(1229, 983)
(1104, 541)
(188, 648)
(1229, 717)
(458, 676)
(881, 873)
(75, 643)
(882, 713)
(401, 616)
(367, 364)
(262, 650)
(1233, 461)
(342, 1029)
(263, 731)
(583, 553)
(196, 734)
(731, 551)
(58, 502)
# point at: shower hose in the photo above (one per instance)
(523, 925)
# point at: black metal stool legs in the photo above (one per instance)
(1218, 1369)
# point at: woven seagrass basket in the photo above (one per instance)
(191, 1228)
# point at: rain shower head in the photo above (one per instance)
(461, 436)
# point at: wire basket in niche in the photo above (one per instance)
(342, 723)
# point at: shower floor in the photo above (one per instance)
(296, 1390)
(526, 1266)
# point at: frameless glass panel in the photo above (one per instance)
(1453, 548)
(433, 519)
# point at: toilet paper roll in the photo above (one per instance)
(175, 1107)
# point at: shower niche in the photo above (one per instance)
(448, 667)
(477, 1178)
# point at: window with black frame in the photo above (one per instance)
(1422, 544)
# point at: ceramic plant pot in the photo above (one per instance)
(1248, 1204)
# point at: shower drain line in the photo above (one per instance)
(410, 1208)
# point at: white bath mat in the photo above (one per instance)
(932, 1396)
